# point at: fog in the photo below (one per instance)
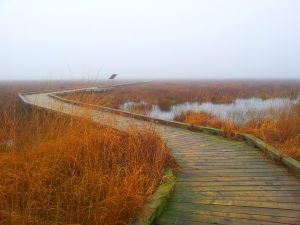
(167, 39)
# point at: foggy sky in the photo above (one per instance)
(195, 39)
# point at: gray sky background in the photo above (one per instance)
(195, 39)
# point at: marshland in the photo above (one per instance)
(268, 109)
(63, 169)
(133, 112)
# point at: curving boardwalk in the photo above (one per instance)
(222, 181)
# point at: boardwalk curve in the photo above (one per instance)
(222, 181)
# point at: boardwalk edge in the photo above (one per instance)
(290, 163)
(158, 200)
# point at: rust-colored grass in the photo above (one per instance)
(57, 169)
(281, 131)
(206, 119)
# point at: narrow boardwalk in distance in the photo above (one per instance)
(221, 182)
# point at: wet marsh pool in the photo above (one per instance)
(239, 112)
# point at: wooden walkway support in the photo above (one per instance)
(222, 181)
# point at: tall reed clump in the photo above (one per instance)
(57, 169)
(282, 131)
(207, 119)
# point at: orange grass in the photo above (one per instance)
(57, 169)
(206, 119)
(281, 131)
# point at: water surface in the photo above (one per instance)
(240, 111)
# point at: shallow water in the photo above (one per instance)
(240, 111)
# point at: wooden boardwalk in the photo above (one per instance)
(222, 181)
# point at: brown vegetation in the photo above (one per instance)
(57, 169)
(206, 119)
(165, 94)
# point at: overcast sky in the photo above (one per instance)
(195, 39)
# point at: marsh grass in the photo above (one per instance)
(59, 169)
(166, 94)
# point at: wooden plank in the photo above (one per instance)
(214, 154)
(200, 152)
(210, 160)
(189, 207)
(226, 171)
(217, 157)
(181, 145)
(194, 217)
(205, 149)
(178, 222)
(237, 188)
(193, 198)
(225, 167)
(221, 160)
(233, 179)
(245, 164)
(237, 183)
(197, 174)
(258, 204)
(212, 147)
(204, 194)
(223, 154)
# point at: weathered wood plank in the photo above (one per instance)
(222, 160)
(258, 204)
(224, 170)
(205, 194)
(196, 173)
(226, 167)
(236, 188)
(190, 207)
(274, 199)
(222, 165)
(172, 217)
(233, 179)
(237, 183)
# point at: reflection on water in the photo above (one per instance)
(240, 111)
